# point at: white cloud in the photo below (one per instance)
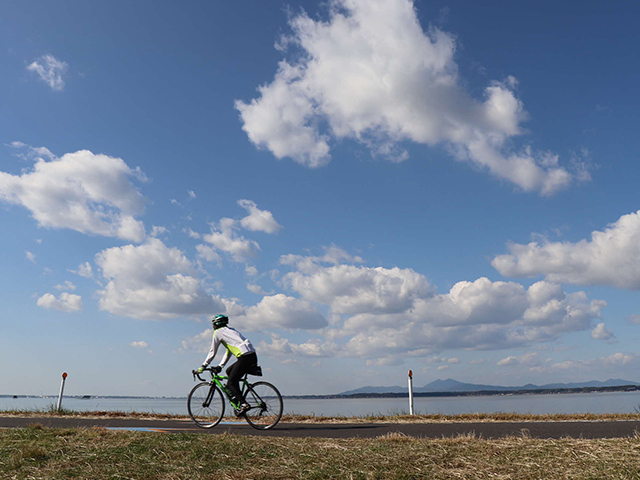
(384, 362)
(67, 302)
(191, 233)
(30, 256)
(258, 220)
(615, 364)
(84, 270)
(611, 257)
(601, 332)
(225, 238)
(207, 253)
(333, 255)
(257, 289)
(152, 281)
(284, 347)
(634, 319)
(50, 70)
(280, 311)
(474, 315)
(67, 285)
(352, 289)
(382, 312)
(140, 344)
(531, 360)
(372, 74)
(192, 194)
(81, 191)
(157, 231)
(511, 360)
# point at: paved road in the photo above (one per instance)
(342, 430)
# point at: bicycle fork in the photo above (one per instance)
(207, 401)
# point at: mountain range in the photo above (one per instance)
(451, 385)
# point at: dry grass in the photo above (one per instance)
(38, 453)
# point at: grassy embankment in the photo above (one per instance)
(96, 453)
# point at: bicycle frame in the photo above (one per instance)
(217, 380)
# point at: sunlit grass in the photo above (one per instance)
(97, 453)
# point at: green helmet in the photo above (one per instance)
(220, 321)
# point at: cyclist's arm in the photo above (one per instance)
(215, 343)
(225, 359)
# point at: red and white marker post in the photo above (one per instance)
(410, 392)
(64, 377)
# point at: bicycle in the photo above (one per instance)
(206, 401)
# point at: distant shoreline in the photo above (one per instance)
(476, 393)
(471, 393)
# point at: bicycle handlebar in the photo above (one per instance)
(208, 369)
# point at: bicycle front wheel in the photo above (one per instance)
(266, 405)
(206, 405)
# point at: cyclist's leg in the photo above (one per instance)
(236, 371)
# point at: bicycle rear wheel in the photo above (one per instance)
(206, 405)
(266, 405)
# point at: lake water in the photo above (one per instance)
(616, 402)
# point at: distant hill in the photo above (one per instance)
(451, 385)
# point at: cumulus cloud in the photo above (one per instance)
(611, 257)
(601, 332)
(257, 289)
(385, 312)
(87, 192)
(353, 289)
(67, 285)
(333, 255)
(157, 231)
(84, 270)
(279, 346)
(50, 70)
(30, 256)
(531, 360)
(258, 220)
(281, 311)
(67, 302)
(224, 237)
(369, 72)
(207, 253)
(471, 316)
(616, 364)
(140, 344)
(152, 281)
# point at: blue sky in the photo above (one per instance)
(364, 187)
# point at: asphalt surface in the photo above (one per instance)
(615, 429)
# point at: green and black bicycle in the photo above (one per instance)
(206, 401)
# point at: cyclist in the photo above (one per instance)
(238, 346)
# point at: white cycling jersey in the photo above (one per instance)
(234, 342)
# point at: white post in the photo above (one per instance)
(64, 377)
(410, 392)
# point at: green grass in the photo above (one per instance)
(43, 453)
